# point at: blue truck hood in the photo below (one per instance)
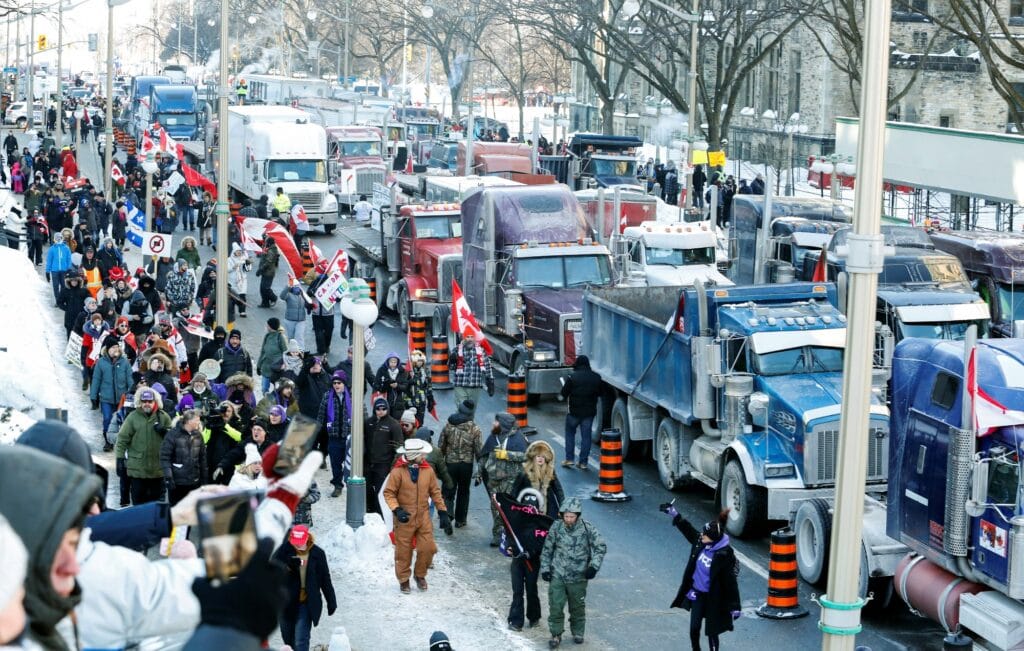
(802, 393)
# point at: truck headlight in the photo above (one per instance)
(777, 470)
(330, 201)
(543, 355)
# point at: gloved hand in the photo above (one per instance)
(122, 467)
(401, 515)
(160, 429)
(95, 404)
(546, 576)
(445, 521)
(523, 555)
(489, 383)
(217, 474)
(252, 601)
(736, 614)
(590, 573)
(169, 484)
(668, 508)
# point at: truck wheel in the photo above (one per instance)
(747, 504)
(22, 122)
(381, 276)
(620, 421)
(666, 454)
(813, 528)
(403, 306)
(329, 228)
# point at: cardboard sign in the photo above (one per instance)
(73, 351)
(157, 244)
(716, 158)
(328, 292)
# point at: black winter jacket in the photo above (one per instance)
(183, 457)
(311, 388)
(318, 581)
(724, 592)
(233, 362)
(583, 388)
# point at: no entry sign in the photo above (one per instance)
(156, 244)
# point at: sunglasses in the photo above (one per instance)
(380, 408)
(337, 382)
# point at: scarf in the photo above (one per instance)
(479, 357)
(330, 405)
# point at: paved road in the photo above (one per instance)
(628, 602)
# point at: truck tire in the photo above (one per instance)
(403, 306)
(667, 448)
(381, 276)
(747, 504)
(813, 528)
(22, 123)
(439, 326)
(620, 421)
(329, 228)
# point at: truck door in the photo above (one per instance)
(406, 249)
(990, 533)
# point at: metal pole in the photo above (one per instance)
(177, 53)
(149, 203)
(60, 91)
(195, 35)
(108, 127)
(30, 97)
(17, 52)
(223, 212)
(348, 28)
(761, 252)
(789, 165)
(7, 52)
(840, 614)
(534, 152)
(355, 504)
(469, 137)
(691, 131)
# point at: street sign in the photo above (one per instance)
(156, 244)
(93, 42)
(10, 70)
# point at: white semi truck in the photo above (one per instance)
(272, 147)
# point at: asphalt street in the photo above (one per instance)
(628, 602)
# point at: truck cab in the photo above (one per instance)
(657, 254)
(429, 248)
(176, 109)
(354, 162)
(995, 264)
(604, 161)
(635, 208)
(139, 95)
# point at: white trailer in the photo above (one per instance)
(272, 147)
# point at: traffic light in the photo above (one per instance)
(41, 42)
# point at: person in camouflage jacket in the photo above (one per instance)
(181, 286)
(460, 444)
(420, 391)
(572, 556)
(501, 459)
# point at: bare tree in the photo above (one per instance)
(378, 43)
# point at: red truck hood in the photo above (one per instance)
(362, 161)
(437, 248)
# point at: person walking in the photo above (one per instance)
(538, 478)
(183, 456)
(383, 437)
(58, 263)
(266, 270)
(671, 184)
(471, 367)
(138, 446)
(295, 313)
(271, 360)
(392, 381)
(111, 381)
(335, 419)
(572, 556)
(421, 391)
(238, 278)
(582, 390)
(709, 589)
(500, 459)
(460, 444)
(309, 577)
(409, 485)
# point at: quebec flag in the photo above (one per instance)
(136, 224)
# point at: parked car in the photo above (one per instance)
(16, 114)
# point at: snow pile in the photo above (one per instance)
(32, 343)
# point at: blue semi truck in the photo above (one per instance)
(738, 388)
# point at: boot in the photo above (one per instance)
(554, 641)
(85, 384)
(404, 587)
(421, 583)
(337, 492)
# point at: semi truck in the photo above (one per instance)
(413, 252)
(272, 147)
(138, 94)
(738, 388)
(995, 264)
(175, 108)
(655, 254)
(603, 161)
(354, 163)
(528, 256)
(956, 492)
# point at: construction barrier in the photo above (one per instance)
(372, 282)
(783, 599)
(610, 484)
(307, 260)
(418, 334)
(517, 399)
(439, 378)
(131, 146)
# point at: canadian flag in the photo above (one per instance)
(463, 321)
(299, 220)
(249, 243)
(339, 261)
(168, 145)
(989, 414)
(147, 145)
(820, 274)
(117, 175)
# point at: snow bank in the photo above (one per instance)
(32, 343)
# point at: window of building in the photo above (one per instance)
(749, 84)
(947, 120)
(920, 40)
(1016, 103)
(770, 99)
(795, 73)
(1016, 8)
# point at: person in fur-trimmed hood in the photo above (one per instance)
(539, 474)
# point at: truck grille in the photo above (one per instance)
(451, 268)
(309, 200)
(365, 180)
(822, 451)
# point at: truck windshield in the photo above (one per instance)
(806, 359)
(176, 119)
(439, 227)
(421, 131)
(362, 148)
(396, 133)
(568, 271)
(952, 330)
(296, 170)
(680, 257)
(613, 167)
(1011, 302)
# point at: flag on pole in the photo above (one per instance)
(148, 146)
(116, 175)
(136, 224)
(820, 274)
(299, 221)
(989, 413)
(463, 321)
(249, 243)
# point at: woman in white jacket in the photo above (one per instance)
(239, 266)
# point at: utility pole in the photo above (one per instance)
(60, 87)
(223, 212)
(841, 606)
(108, 126)
(30, 98)
(348, 33)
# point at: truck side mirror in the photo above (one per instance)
(975, 506)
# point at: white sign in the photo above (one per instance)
(157, 244)
(327, 293)
(173, 182)
(381, 196)
(73, 351)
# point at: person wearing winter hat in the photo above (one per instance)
(309, 577)
(392, 380)
(581, 390)
(439, 642)
(460, 443)
(406, 492)
(295, 313)
(271, 360)
(383, 435)
(470, 368)
(572, 556)
(12, 592)
(138, 446)
(183, 456)
(500, 462)
(233, 359)
(111, 382)
(335, 420)
(408, 423)
(283, 396)
(292, 361)
(709, 589)
(420, 392)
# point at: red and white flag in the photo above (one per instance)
(463, 321)
(299, 221)
(339, 261)
(147, 145)
(249, 243)
(989, 414)
(116, 175)
(168, 145)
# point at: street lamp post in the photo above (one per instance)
(363, 311)
(223, 213)
(108, 129)
(312, 15)
(149, 166)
